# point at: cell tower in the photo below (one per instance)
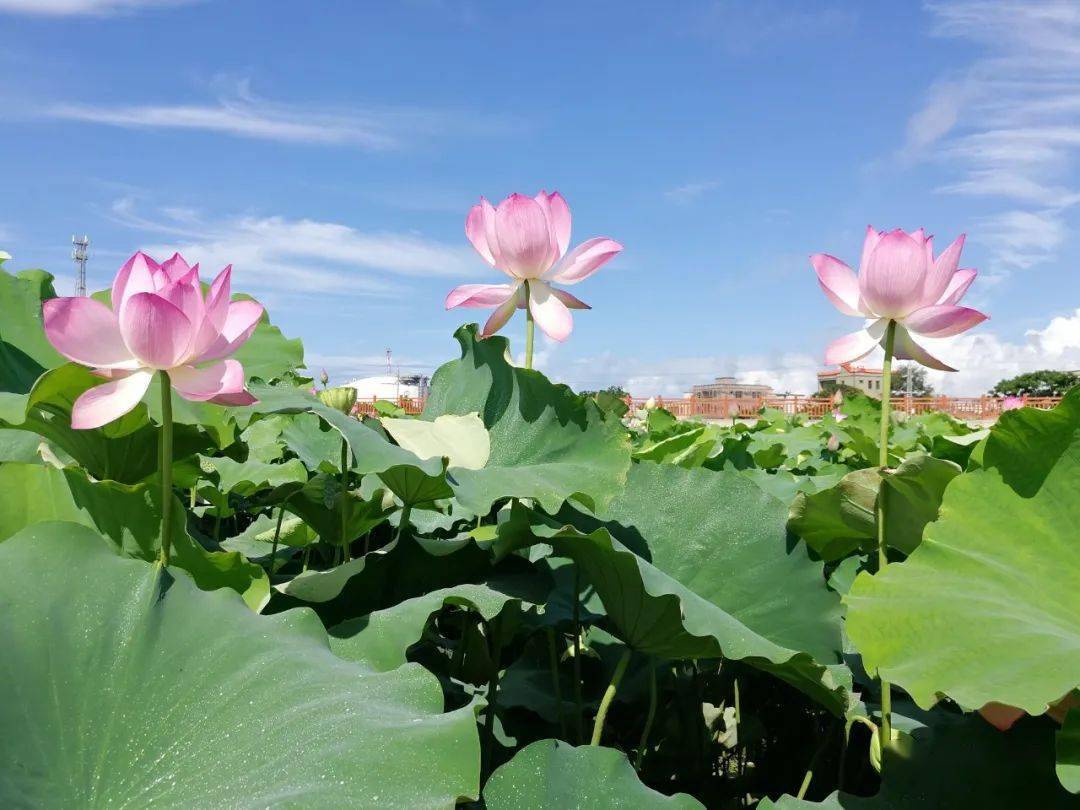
(389, 367)
(79, 256)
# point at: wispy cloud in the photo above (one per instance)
(744, 27)
(298, 256)
(238, 112)
(689, 192)
(80, 8)
(1008, 125)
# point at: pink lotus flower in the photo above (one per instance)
(527, 238)
(1012, 403)
(159, 321)
(900, 280)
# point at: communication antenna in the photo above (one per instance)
(79, 255)
(389, 368)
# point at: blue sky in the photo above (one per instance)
(331, 153)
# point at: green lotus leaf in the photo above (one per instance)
(263, 437)
(267, 355)
(462, 440)
(985, 608)
(960, 764)
(20, 445)
(128, 516)
(370, 452)
(179, 698)
(330, 511)
(553, 775)
(701, 570)
(318, 448)
(837, 521)
(248, 477)
(547, 443)
(25, 352)
(125, 450)
(381, 639)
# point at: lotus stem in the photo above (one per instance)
(345, 496)
(805, 784)
(648, 718)
(553, 656)
(530, 330)
(883, 462)
(609, 695)
(579, 707)
(166, 457)
(406, 511)
(493, 690)
(277, 536)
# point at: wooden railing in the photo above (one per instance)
(970, 408)
(366, 407)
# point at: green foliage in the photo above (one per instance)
(902, 373)
(129, 686)
(1045, 383)
(1001, 563)
(551, 775)
(516, 565)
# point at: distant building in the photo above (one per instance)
(867, 380)
(730, 387)
(389, 387)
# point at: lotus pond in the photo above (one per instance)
(237, 594)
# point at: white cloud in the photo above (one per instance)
(982, 357)
(301, 256)
(689, 192)
(99, 8)
(240, 113)
(1008, 125)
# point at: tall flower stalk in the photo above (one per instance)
(166, 467)
(902, 290)
(883, 462)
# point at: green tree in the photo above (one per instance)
(919, 385)
(1045, 383)
(616, 391)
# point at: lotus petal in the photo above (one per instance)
(905, 348)
(892, 281)
(943, 320)
(838, 282)
(221, 383)
(156, 331)
(105, 403)
(526, 245)
(479, 295)
(86, 331)
(550, 314)
(584, 260)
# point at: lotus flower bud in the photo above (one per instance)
(650, 403)
(833, 444)
(324, 378)
(340, 399)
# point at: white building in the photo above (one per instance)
(389, 387)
